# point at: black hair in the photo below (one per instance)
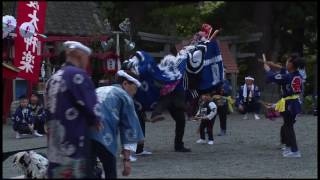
(297, 61)
(22, 97)
(35, 94)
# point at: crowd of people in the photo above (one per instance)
(83, 123)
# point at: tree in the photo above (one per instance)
(286, 26)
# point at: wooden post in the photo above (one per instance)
(166, 49)
(315, 79)
(234, 84)
(118, 48)
(233, 50)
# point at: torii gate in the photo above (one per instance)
(169, 41)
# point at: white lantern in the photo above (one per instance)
(9, 23)
(26, 30)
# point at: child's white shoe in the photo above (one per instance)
(132, 158)
(245, 117)
(201, 141)
(256, 117)
(18, 135)
(211, 142)
(37, 134)
(292, 154)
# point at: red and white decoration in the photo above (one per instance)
(31, 22)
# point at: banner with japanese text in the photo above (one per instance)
(31, 15)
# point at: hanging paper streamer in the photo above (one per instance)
(42, 35)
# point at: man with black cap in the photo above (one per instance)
(72, 107)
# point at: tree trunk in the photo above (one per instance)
(136, 12)
(263, 17)
(298, 36)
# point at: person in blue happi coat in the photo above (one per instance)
(72, 107)
(118, 116)
(290, 81)
(39, 114)
(248, 98)
(23, 121)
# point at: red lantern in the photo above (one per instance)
(110, 64)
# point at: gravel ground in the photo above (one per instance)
(250, 150)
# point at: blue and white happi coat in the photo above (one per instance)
(290, 84)
(22, 118)
(118, 115)
(72, 108)
(197, 67)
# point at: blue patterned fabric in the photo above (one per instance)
(212, 72)
(255, 97)
(171, 72)
(118, 115)
(291, 84)
(38, 112)
(72, 107)
(21, 118)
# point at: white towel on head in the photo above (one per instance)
(77, 45)
(122, 73)
(249, 78)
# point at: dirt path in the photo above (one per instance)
(250, 151)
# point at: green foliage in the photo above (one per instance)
(311, 62)
(243, 68)
(180, 20)
(308, 104)
(8, 8)
(115, 12)
(209, 7)
(235, 18)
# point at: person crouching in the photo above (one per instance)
(23, 121)
(248, 98)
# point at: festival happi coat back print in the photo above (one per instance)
(72, 108)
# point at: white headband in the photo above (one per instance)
(249, 78)
(122, 73)
(77, 45)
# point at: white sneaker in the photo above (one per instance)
(286, 150)
(292, 154)
(256, 117)
(283, 147)
(201, 141)
(144, 152)
(37, 134)
(132, 158)
(18, 135)
(245, 117)
(211, 142)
